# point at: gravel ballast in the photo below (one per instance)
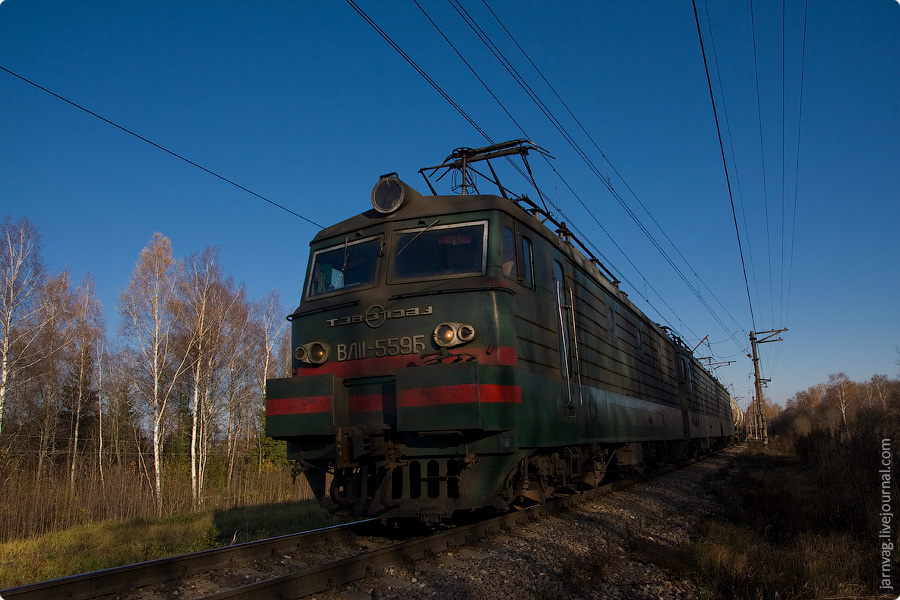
(628, 544)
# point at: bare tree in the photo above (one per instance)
(100, 416)
(46, 363)
(839, 387)
(241, 386)
(270, 315)
(87, 332)
(21, 274)
(148, 307)
(208, 301)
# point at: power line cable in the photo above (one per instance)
(737, 178)
(158, 146)
(521, 82)
(783, 157)
(498, 54)
(724, 165)
(606, 158)
(762, 158)
(605, 180)
(418, 69)
(555, 206)
(797, 163)
(611, 165)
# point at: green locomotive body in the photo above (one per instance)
(453, 352)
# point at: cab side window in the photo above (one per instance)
(508, 254)
(527, 266)
(516, 259)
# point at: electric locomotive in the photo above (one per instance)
(454, 352)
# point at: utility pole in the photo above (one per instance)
(760, 402)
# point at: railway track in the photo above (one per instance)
(134, 581)
(116, 581)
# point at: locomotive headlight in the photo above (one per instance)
(444, 335)
(448, 335)
(389, 194)
(314, 353)
(466, 333)
(318, 353)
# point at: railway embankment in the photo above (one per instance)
(716, 529)
(745, 523)
(633, 543)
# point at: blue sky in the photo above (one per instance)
(306, 105)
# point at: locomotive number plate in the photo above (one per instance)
(409, 344)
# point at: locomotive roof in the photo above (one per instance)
(422, 207)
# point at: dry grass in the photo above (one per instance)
(48, 530)
(738, 562)
(103, 545)
(788, 534)
(33, 507)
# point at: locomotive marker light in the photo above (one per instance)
(314, 353)
(389, 194)
(448, 335)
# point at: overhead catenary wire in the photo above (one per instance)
(537, 101)
(470, 21)
(608, 162)
(515, 74)
(736, 171)
(762, 158)
(725, 166)
(796, 164)
(783, 290)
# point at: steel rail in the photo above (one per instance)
(311, 580)
(318, 579)
(118, 579)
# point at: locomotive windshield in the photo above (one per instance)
(347, 265)
(446, 250)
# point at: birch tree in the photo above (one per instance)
(878, 385)
(21, 274)
(270, 315)
(839, 387)
(149, 311)
(242, 357)
(47, 362)
(87, 331)
(208, 301)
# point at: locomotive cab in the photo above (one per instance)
(402, 346)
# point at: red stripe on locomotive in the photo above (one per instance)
(459, 394)
(299, 406)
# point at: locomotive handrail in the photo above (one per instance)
(534, 210)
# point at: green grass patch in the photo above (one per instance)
(110, 544)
